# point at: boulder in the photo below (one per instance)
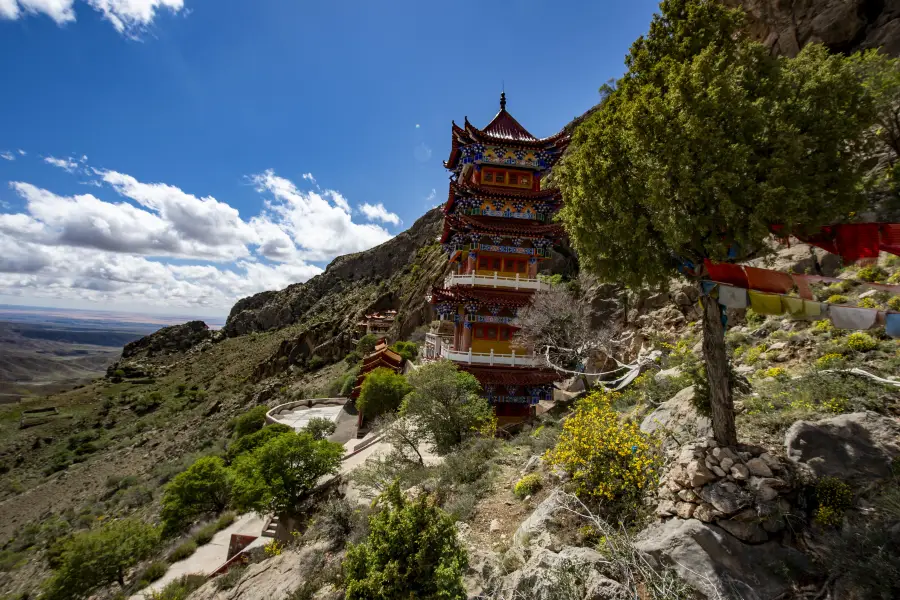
(534, 531)
(717, 564)
(679, 417)
(726, 497)
(276, 577)
(855, 447)
(573, 573)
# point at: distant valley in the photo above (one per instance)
(47, 350)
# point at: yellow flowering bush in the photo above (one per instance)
(527, 486)
(837, 299)
(831, 360)
(868, 303)
(823, 326)
(894, 303)
(775, 372)
(607, 459)
(752, 355)
(861, 342)
(833, 497)
(837, 405)
(273, 548)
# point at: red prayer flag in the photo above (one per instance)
(803, 288)
(765, 280)
(858, 240)
(726, 273)
(890, 238)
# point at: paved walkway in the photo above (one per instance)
(208, 557)
(300, 416)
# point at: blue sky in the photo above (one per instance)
(175, 155)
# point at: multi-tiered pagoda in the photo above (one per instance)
(497, 230)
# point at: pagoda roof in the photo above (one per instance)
(511, 375)
(499, 226)
(483, 191)
(465, 294)
(503, 130)
(381, 357)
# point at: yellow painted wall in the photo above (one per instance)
(490, 273)
(486, 345)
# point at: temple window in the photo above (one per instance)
(499, 177)
(487, 177)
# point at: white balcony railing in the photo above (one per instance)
(490, 358)
(495, 280)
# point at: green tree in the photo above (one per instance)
(408, 350)
(92, 559)
(382, 391)
(446, 404)
(205, 487)
(320, 428)
(256, 439)
(366, 344)
(412, 551)
(279, 474)
(704, 143)
(251, 421)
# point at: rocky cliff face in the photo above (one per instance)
(786, 26)
(395, 275)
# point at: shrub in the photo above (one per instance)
(527, 486)
(447, 404)
(182, 551)
(823, 326)
(248, 443)
(181, 588)
(279, 474)
(205, 534)
(204, 487)
(867, 303)
(147, 404)
(320, 428)
(753, 354)
(895, 278)
(836, 405)
(412, 551)
(830, 361)
(335, 520)
(154, 571)
(775, 372)
(315, 362)
(872, 273)
(861, 342)
(837, 299)
(607, 459)
(833, 497)
(382, 391)
(894, 303)
(91, 559)
(250, 422)
(349, 382)
(754, 319)
(408, 350)
(231, 578)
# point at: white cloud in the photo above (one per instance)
(21, 152)
(160, 246)
(377, 212)
(431, 195)
(318, 223)
(309, 177)
(129, 17)
(7, 155)
(67, 164)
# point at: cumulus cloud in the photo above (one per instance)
(67, 164)
(319, 224)
(377, 212)
(6, 154)
(160, 245)
(129, 17)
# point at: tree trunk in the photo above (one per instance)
(715, 354)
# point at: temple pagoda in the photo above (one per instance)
(497, 229)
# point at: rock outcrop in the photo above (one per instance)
(842, 25)
(718, 564)
(169, 340)
(858, 447)
(345, 276)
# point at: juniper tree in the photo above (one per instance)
(705, 142)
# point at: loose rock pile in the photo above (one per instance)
(741, 489)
